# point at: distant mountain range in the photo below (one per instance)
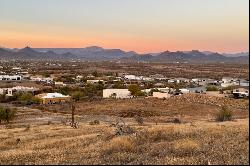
(99, 53)
(194, 56)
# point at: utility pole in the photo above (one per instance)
(73, 123)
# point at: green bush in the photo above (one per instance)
(224, 114)
(7, 114)
(212, 88)
(77, 95)
(2, 98)
(26, 98)
(134, 90)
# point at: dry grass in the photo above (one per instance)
(189, 106)
(185, 147)
(218, 143)
(199, 142)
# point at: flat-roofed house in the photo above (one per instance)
(10, 78)
(41, 79)
(53, 98)
(60, 84)
(200, 89)
(116, 93)
(241, 92)
(11, 91)
(96, 81)
(184, 90)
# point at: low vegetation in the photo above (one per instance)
(161, 144)
(7, 114)
(225, 114)
(211, 88)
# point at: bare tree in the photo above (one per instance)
(73, 123)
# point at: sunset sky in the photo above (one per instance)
(138, 25)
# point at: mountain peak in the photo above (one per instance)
(94, 48)
(27, 48)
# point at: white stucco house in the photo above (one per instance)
(11, 91)
(41, 79)
(133, 77)
(241, 92)
(96, 81)
(10, 78)
(184, 90)
(116, 93)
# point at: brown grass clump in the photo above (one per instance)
(120, 144)
(186, 147)
(224, 114)
(95, 122)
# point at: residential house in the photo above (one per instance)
(178, 80)
(200, 89)
(184, 90)
(53, 98)
(41, 79)
(243, 82)
(133, 77)
(79, 77)
(165, 90)
(10, 78)
(116, 93)
(241, 92)
(90, 76)
(96, 81)
(159, 84)
(205, 81)
(227, 79)
(147, 79)
(60, 84)
(11, 91)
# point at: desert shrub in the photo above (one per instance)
(25, 97)
(139, 119)
(36, 100)
(134, 90)
(224, 114)
(230, 88)
(95, 122)
(28, 98)
(92, 90)
(96, 74)
(211, 88)
(2, 98)
(119, 85)
(176, 120)
(77, 95)
(7, 114)
(64, 90)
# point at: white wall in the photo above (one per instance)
(120, 93)
(161, 95)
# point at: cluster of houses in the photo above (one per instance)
(159, 89)
(241, 86)
(11, 91)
